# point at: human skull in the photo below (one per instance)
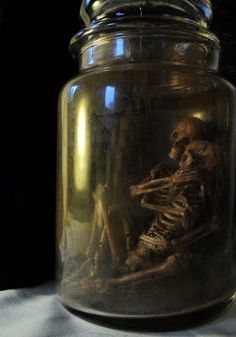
(188, 130)
(201, 153)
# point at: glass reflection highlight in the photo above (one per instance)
(119, 47)
(81, 161)
(110, 97)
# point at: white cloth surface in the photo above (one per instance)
(37, 312)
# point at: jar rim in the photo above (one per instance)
(93, 10)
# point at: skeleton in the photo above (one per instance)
(179, 201)
(187, 131)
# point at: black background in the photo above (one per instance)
(34, 65)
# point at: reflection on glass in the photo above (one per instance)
(119, 47)
(120, 13)
(199, 114)
(96, 5)
(90, 56)
(81, 155)
(109, 97)
(72, 91)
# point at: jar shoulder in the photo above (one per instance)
(129, 77)
(222, 81)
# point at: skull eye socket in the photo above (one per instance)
(184, 157)
(174, 135)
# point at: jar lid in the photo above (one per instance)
(196, 10)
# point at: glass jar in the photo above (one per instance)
(146, 177)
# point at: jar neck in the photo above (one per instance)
(164, 42)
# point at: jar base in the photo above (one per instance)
(171, 323)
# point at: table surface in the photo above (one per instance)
(36, 312)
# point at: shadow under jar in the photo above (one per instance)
(146, 167)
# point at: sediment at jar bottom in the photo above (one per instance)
(186, 292)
